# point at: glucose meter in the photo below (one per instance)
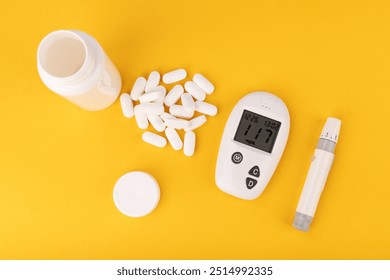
(252, 144)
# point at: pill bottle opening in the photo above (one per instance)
(62, 54)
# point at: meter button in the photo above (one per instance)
(250, 183)
(237, 157)
(255, 171)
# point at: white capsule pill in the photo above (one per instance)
(206, 108)
(153, 81)
(156, 122)
(127, 105)
(140, 118)
(189, 143)
(177, 123)
(173, 95)
(181, 111)
(196, 122)
(154, 139)
(174, 76)
(151, 108)
(138, 88)
(151, 96)
(158, 88)
(195, 90)
(164, 91)
(187, 101)
(203, 83)
(173, 138)
(166, 116)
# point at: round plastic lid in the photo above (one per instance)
(136, 194)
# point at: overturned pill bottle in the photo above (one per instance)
(74, 65)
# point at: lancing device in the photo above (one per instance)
(318, 173)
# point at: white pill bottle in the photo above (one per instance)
(73, 64)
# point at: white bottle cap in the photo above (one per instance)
(136, 194)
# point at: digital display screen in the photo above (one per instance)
(257, 131)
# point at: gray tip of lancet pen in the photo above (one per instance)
(302, 221)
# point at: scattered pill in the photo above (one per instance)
(173, 138)
(174, 76)
(181, 112)
(151, 96)
(196, 122)
(164, 91)
(173, 95)
(206, 108)
(138, 88)
(158, 88)
(140, 118)
(166, 116)
(203, 83)
(153, 81)
(127, 105)
(177, 123)
(156, 122)
(195, 90)
(154, 139)
(189, 143)
(187, 101)
(151, 108)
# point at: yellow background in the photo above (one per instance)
(59, 163)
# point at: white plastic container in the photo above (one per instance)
(73, 64)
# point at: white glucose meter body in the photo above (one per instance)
(252, 144)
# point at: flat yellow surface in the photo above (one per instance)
(59, 163)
